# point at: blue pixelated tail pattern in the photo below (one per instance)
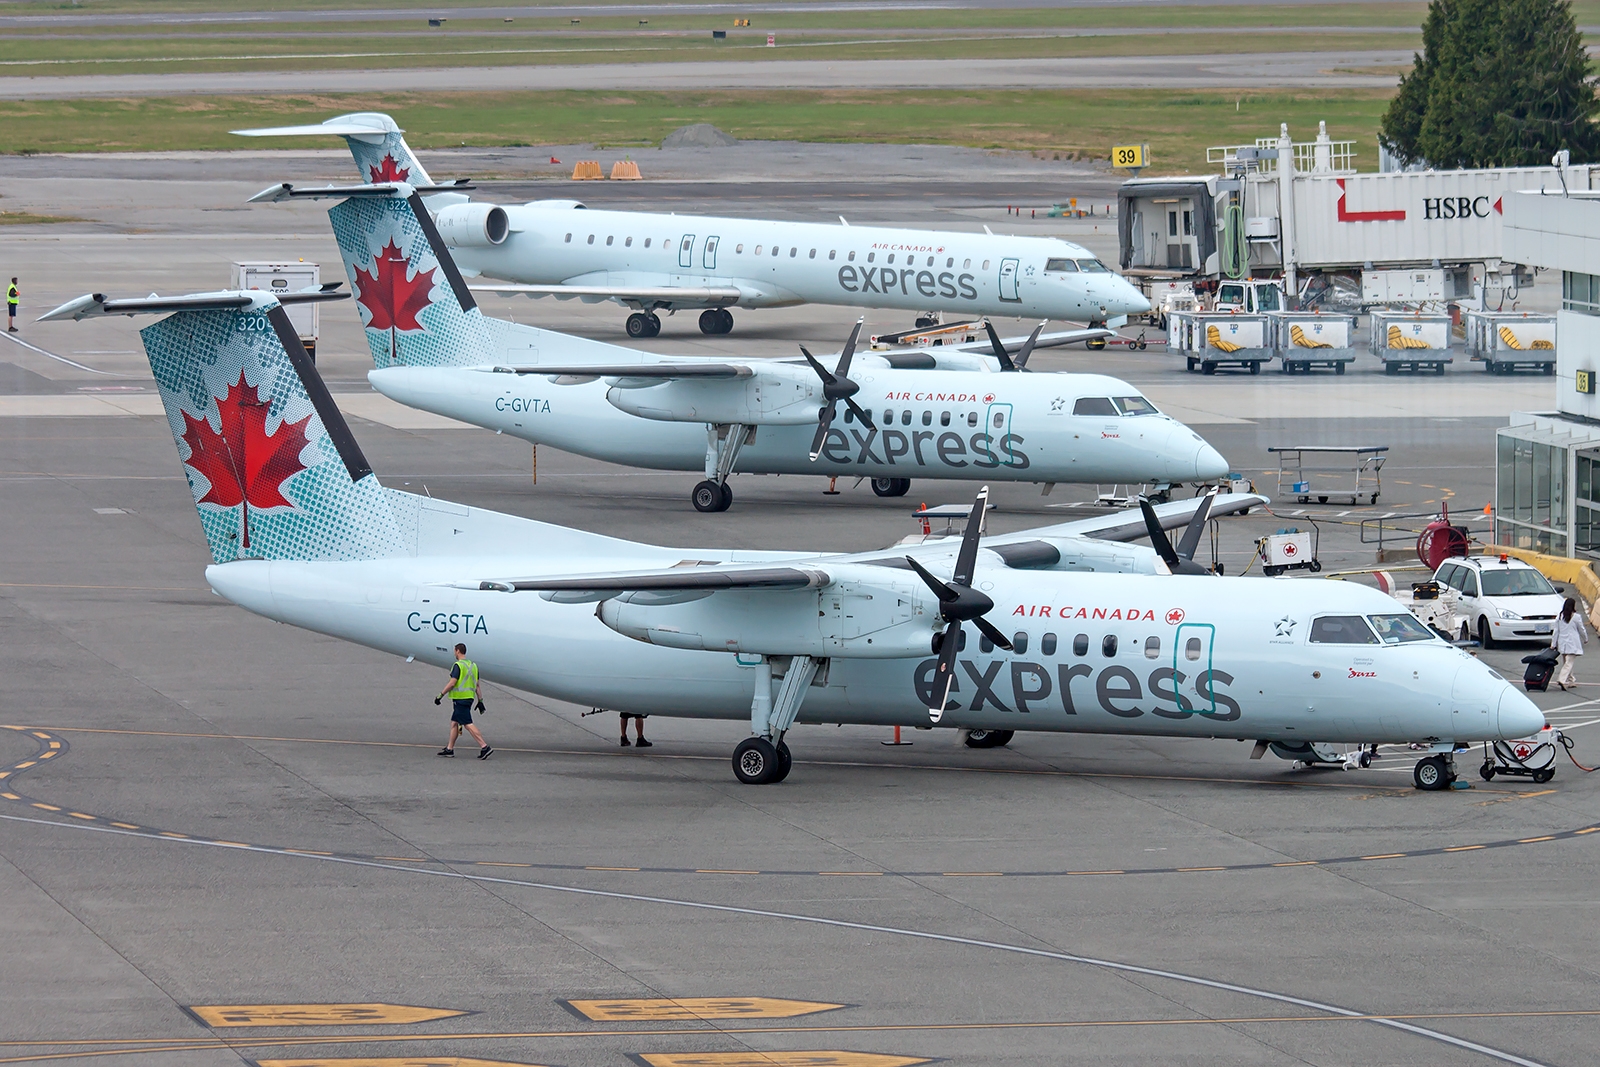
(383, 155)
(273, 468)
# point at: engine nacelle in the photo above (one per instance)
(773, 397)
(473, 225)
(877, 621)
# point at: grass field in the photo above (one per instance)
(1178, 126)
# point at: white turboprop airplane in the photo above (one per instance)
(941, 413)
(302, 532)
(653, 262)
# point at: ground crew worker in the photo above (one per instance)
(638, 729)
(462, 689)
(11, 307)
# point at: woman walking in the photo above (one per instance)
(1568, 640)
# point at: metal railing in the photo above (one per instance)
(1310, 157)
(1388, 532)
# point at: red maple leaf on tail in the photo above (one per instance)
(388, 171)
(386, 293)
(243, 463)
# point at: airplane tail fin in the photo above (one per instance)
(275, 472)
(376, 142)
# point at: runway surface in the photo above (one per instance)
(223, 839)
(1347, 69)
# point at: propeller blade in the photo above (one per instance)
(992, 632)
(1021, 358)
(1158, 536)
(945, 674)
(824, 422)
(822, 372)
(849, 352)
(1197, 527)
(1000, 352)
(861, 413)
(967, 558)
(940, 589)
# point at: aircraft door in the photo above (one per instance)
(709, 257)
(999, 430)
(686, 252)
(1008, 281)
(1192, 661)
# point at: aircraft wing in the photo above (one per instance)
(1046, 340)
(1129, 525)
(675, 293)
(676, 579)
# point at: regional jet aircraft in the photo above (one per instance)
(653, 262)
(1076, 632)
(887, 417)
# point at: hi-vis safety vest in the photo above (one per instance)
(11, 294)
(467, 685)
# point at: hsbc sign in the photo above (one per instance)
(1458, 207)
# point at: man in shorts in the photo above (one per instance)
(638, 730)
(462, 689)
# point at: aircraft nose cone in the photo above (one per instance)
(1124, 299)
(1209, 466)
(1517, 716)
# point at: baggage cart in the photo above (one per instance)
(1307, 339)
(1411, 341)
(1209, 339)
(1508, 341)
(1326, 471)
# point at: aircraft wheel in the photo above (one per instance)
(709, 496)
(639, 325)
(727, 497)
(1431, 773)
(891, 486)
(655, 324)
(785, 762)
(711, 321)
(1095, 344)
(756, 761)
(989, 738)
(1485, 638)
(1544, 774)
(727, 320)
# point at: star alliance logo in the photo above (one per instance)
(1057, 404)
(1284, 627)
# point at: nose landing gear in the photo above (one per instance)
(716, 321)
(1437, 771)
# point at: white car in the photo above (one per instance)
(1502, 599)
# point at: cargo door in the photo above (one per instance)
(686, 252)
(999, 430)
(1008, 281)
(1192, 664)
(709, 257)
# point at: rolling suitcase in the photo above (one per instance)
(1541, 668)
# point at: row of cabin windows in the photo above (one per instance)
(927, 418)
(950, 261)
(1192, 648)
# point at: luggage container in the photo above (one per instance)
(1411, 341)
(1209, 339)
(286, 278)
(1505, 341)
(1306, 339)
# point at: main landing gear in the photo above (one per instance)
(716, 321)
(1437, 771)
(646, 324)
(764, 759)
(989, 738)
(723, 442)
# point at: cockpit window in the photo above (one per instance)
(1094, 405)
(1518, 582)
(1341, 630)
(1060, 266)
(1135, 405)
(1399, 628)
(1093, 266)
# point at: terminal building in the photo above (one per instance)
(1547, 466)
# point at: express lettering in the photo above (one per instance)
(924, 448)
(447, 623)
(1165, 692)
(1455, 207)
(522, 403)
(887, 280)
